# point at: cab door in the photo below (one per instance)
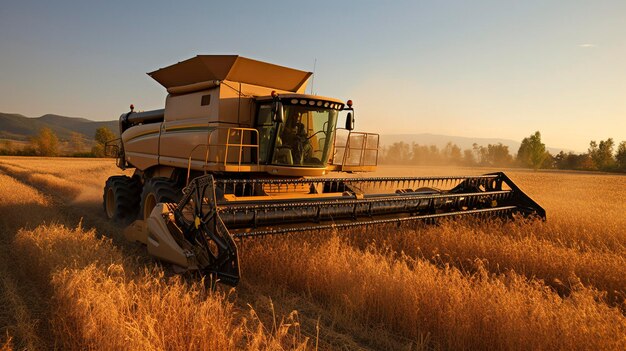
(267, 130)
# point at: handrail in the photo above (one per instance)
(364, 147)
(115, 148)
(240, 144)
(335, 146)
(113, 144)
(189, 160)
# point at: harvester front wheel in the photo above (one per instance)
(157, 190)
(121, 198)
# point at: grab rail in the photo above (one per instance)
(226, 146)
(240, 144)
(115, 148)
(362, 149)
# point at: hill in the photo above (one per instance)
(19, 127)
(463, 142)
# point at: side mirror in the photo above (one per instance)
(349, 121)
(278, 112)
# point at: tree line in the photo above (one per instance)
(532, 153)
(600, 156)
(46, 143)
(451, 154)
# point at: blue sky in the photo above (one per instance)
(467, 68)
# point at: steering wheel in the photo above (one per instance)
(316, 133)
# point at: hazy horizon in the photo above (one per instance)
(485, 69)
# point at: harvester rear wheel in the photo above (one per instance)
(121, 198)
(157, 190)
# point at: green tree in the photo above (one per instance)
(532, 152)
(45, 143)
(77, 142)
(620, 157)
(435, 156)
(452, 154)
(549, 161)
(7, 147)
(602, 154)
(497, 155)
(468, 158)
(420, 154)
(398, 153)
(568, 160)
(455, 156)
(480, 153)
(103, 135)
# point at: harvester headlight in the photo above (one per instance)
(312, 103)
(326, 104)
(319, 103)
(302, 102)
(294, 101)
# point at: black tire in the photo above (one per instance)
(121, 197)
(157, 190)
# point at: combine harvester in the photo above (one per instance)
(241, 151)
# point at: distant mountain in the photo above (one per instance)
(18, 127)
(463, 142)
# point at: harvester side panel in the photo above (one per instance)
(140, 145)
(203, 104)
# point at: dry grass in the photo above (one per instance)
(21, 206)
(7, 345)
(103, 301)
(514, 246)
(107, 310)
(511, 286)
(68, 189)
(16, 317)
(421, 301)
(584, 210)
(16, 196)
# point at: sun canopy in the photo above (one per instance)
(206, 68)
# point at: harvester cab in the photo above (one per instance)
(241, 151)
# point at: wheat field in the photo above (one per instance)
(69, 281)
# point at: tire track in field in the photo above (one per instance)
(87, 213)
(24, 314)
(19, 314)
